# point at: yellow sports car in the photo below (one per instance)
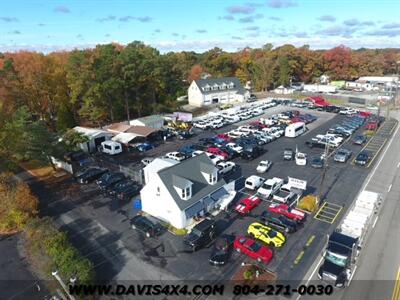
(266, 234)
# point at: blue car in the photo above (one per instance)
(145, 147)
(187, 149)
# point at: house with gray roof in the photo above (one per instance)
(180, 193)
(216, 91)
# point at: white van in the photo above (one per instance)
(253, 182)
(111, 147)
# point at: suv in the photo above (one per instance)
(108, 180)
(145, 225)
(278, 222)
(251, 152)
(201, 235)
(288, 154)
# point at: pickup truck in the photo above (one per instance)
(285, 195)
(270, 187)
(226, 167)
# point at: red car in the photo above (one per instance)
(247, 204)
(371, 125)
(285, 210)
(253, 249)
(364, 113)
(217, 151)
(258, 124)
(224, 136)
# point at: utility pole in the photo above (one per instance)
(324, 170)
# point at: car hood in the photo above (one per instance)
(190, 239)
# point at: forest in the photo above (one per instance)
(112, 82)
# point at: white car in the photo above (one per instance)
(175, 156)
(257, 112)
(226, 167)
(197, 152)
(234, 147)
(215, 159)
(253, 182)
(146, 161)
(264, 166)
(270, 187)
(301, 159)
(217, 124)
(201, 125)
(268, 121)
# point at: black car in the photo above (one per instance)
(278, 222)
(317, 162)
(90, 175)
(251, 152)
(128, 193)
(315, 144)
(147, 226)
(108, 180)
(288, 154)
(362, 158)
(221, 251)
(359, 139)
(201, 235)
(121, 186)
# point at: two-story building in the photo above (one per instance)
(179, 193)
(216, 91)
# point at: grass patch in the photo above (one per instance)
(176, 231)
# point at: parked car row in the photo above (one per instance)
(113, 184)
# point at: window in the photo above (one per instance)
(186, 193)
(158, 191)
(212, 178)
(108, 147)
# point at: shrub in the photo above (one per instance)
(248, 274)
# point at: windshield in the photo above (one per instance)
(255, 247)
(267, 186)
(196, 232)
(337, 259)
(272, 233)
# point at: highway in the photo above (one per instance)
(379, 261)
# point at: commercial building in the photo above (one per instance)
(216, 91)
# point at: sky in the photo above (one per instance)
(198, 25)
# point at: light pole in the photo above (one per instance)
(324, 170)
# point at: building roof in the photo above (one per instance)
(124, 137)
(180, 182)
(91, 132)
(190, 170)
(158, 164)
(237, 86)
(118, 127)
(149, 119)
(141, 130)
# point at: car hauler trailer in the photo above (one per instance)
(346, 242)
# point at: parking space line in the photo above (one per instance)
(328, 212)
(377, 152)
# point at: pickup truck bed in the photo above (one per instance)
(281, 195)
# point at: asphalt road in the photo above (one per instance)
(380, 258)
(16, 280)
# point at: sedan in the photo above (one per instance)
(221, 251)
(264, 166)
(342, 155)
(253, 249)
(90, 175)
(362, 158)
(359, 139)
(317, 162)
(266, 234)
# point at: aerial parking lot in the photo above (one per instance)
(109, 220)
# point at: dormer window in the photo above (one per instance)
(186, 193)
(223, 86)
(212, 178)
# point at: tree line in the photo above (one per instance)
(112, 82)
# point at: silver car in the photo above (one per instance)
(342, 155)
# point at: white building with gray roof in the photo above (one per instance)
(179, 193)
(216, 91)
